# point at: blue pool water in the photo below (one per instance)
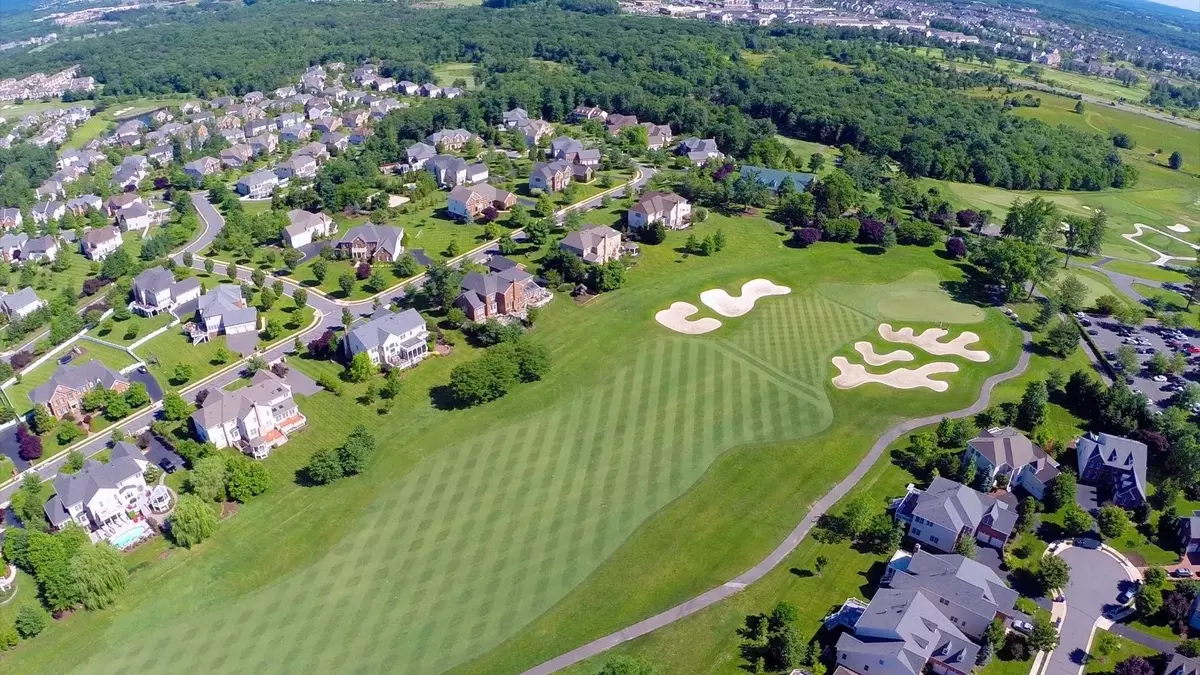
(123, 540)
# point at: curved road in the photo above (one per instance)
(1097, 578)
(818, 509)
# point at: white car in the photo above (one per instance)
(1159, 378)
(1022, 626)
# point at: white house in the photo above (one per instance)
(135, 217)
(99, 242)
(395, 339)
(673, 211)
(1009, 453)
(156, 290)
(100, 494)
(255, 419)
(20, 304)
(222, 311)
(258, 185)
(305, 226)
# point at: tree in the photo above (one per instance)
(1061, 492)
(99, 573)
(628, 665)
(209, 265)
(1033, 221)
(1134, 665)
(1071, 294)
(1032, 410)
(231, 271)
(31, 620)
(1076, 521)
(1148, 600)
(1043, 637)
(1113, 521)
(1053, 573)
(207, 479)
(1175, 161)
(346, 283)
(320, 269)
(1155, 576)
(181, 374)
(487, 378)
(956, 247)
(1084, 236)
(68, 431)
(324, 466)
(192, 522)
(1062, 339)
(117, 408)
(815, 162)
(965, 546)
(42, 421)
(300, 298)
(245, 478)
(1106, 644)
(356, 452)
(1079, 107)
(175, 408)
(361, 368)
(819, 564)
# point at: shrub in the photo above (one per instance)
(918, 233)
(806, 236)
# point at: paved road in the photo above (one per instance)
(1097, 578)
(785, 548)
(1123, 282)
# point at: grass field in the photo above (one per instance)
(474, 523)
(132, 330)
(445, 74)
(18, 394)
(805, 149)
(1127, 648)
(1150, 272)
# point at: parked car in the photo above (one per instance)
(1127, 594)
(1088, 543)
(1159, 378)
(167, 465)
(1093, 331)
(1022, 626)
(1181, 572)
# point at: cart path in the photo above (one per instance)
(781, 552)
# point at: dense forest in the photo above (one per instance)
(691, 75)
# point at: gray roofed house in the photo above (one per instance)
(969, 593)
(1182, 665)
(946, 511)
(1115, 464)
(515, 116)
(450, 171)
(22, 303)
(372, 243)
(594, 244)
(99, 493)
(42, 248)
(255, 419)
(12, 246)
(450, 139)
(258, 185)
(63, 392)
(699, 151)
(900, 633)
(155, 290)
(97, 243)
(222, 310)
(305, 225)
(1009, 453)
(398, 339)
(774, 178)
(44, 212)
(501, 292)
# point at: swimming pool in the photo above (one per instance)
(125, 539)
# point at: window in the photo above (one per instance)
(916, 531)
(953, 619)
(944, 601)
(933, 539)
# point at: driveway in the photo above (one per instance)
(1097, 578)
(1087, 499)
(152, 386)
(312, 250)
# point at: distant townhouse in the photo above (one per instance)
(355, 118)
(11, 218)
(20, 304)
(673, 211)
(327, 124)
(100, 495)
(156, 291)
(161, 155)
(1008, 458)
(255, 419)
(359, 135)
(372, 243)
(289, 120)
(394, 339)
(407, 88)
(583, 113)
(258, 185)
(317, 108)
(83, 203)
(1116, 466)
(284, 92)
(658, 136)
(296, 134)
(495, 294)
(63, 393)
(221, 311)
(236, 156)
(119, 201)
(946, 511)
(450, 140)
(298, 167)
(263, 144)
(471, 201)
(316, 150)
(44, 212)
(699, 151)
(304, 226)
(550, 176)
(534, 130)
(222, 102)
(335, 141)
(197, 169)
(596, 244)
(256, 127)
(50, 189)
(429, 90)
(449, 171)
(253, 98)
(97, 243)
(384, 84)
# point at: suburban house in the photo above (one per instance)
(970, 594)
(135, 217)
(614, 123)
(98, 242)
(372, 243)
(117, 202)
(197, 169)
(550, 176)
(1009, 453)
(10, 218)
(699, 151)
(20, 304)
(12, 246)
(44, 212)
(298, 166)
(305, 226)
(673, 211)
(903, 632)
(289, 120)
(452, 92)
(258, 185)
(571, 150)
(236, 156)
(100, 494)
(429, 90)
(255, 419)
(1114, 464)
(222, 310)
(534, 130)
(335, 140)
(583, 112)
(419, 153)
(497, 293)
(946, 511)
(83, 203)
(773, 179)
(397, 339)
(450, 171)
(407, 88)
(1179, 664)
(161, 155)
(1189, 535)
(658, 136)
(263, 144)
(63, 393)
(514, 117)
(42, 248)
(450, 140)
(470, 201)
(594, 244)
(296, 134)
(156, 291)
(256, 127)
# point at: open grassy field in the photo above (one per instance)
(129, 331)
(473, 523)
(1144, 271)
(445, 74)
(1126, 649)
(18, 394)
(806, 149)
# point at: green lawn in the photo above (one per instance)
(1150, 272)
(130, 331)
(1128, 648)
(18, 394)
(803, 150)
(474, 523)
(444, 74)
(1172, 301)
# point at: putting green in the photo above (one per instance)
(916, 297)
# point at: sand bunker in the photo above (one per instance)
(867, 350)
(676, 316)
(725, 304)
(851, 375)
(1179, 227)
(928, 340)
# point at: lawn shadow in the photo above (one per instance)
(974, 289)
(870, 249)
(442, 397)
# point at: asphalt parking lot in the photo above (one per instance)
(1108, 338)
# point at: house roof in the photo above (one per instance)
(302, 221)
(135, 210)
(226, 302)
(1125, 456)
(453, 135)
(222, 406)
(153, 280)
(958, 578)
(547, 170)
(903, 629)
(260, 177)
(384, 237)
(19, 300)
(693, 144)
(588, 237)
(954, 506)
(379, 329)
(774, 178)
(485, 285)
(1008, 447)
(125, 462)
(489, 193)
(99, 235)
(447, 163)
(564, 144)
(657, 202)
(14, 240)
(41, 244)
(77, 377)
(1182, 665)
